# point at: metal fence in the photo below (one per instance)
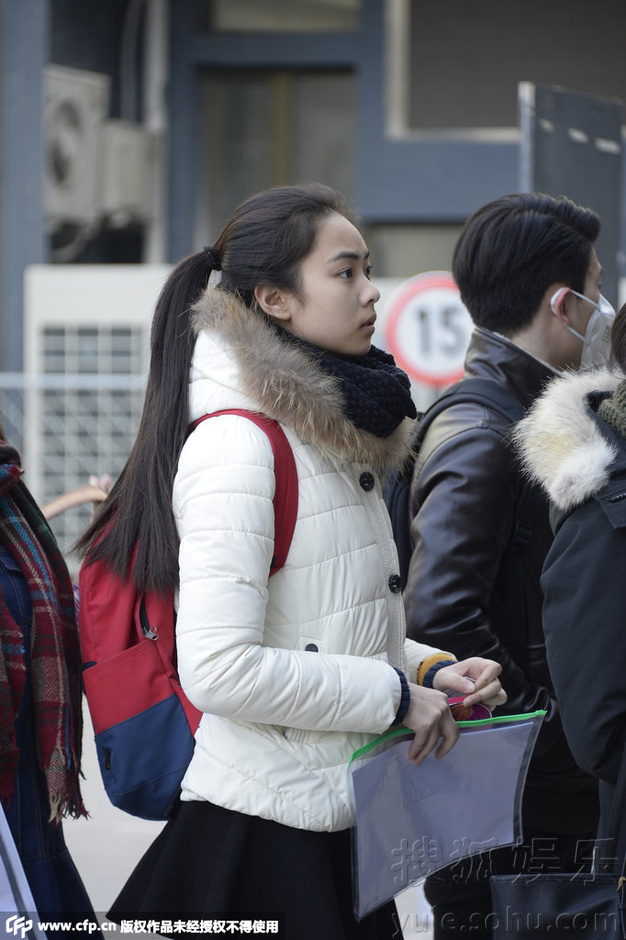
(66, 428)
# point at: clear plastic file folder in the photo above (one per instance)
(412, 821)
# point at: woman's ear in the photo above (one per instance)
(274, 302)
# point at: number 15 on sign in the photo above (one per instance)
(428, 328)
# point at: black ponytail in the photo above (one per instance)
(141, 499)
(263, 242)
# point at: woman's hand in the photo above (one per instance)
(429, 716)
(476, 678)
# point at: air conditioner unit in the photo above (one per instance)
(129, 173)
(77, 106)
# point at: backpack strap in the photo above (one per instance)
(492, 395)
(286, 490)
(477, 391)
(396, 488)
(529, 501)
(505, 403)
(483, 392)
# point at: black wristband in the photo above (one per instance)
(405, 699)
(427, 681)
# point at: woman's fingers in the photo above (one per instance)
(493, 692)
(430, 718)
(429, 715)
(450, 735)
(418, 751)
(499, 699)
(482, 674)
(443, 737)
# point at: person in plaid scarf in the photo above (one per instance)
(40, 697)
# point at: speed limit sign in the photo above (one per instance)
(429, 328)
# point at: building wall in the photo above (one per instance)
(435, 112)
(466, 59)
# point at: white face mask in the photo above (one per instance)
(597, 338)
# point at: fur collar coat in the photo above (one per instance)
(562, 441)
(581, 462)
(285, 384)
(293, 673)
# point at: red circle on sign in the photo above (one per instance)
(414, 286)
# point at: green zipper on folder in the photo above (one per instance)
(399, 732)
(500, 719)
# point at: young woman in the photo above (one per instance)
(293, 673)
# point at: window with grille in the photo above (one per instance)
(86, 352)
(89, 420)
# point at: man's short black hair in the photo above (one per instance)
(513, 248)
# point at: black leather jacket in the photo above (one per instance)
(465, 489)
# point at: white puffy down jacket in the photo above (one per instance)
(293, 674)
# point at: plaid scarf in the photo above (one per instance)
(54, 650)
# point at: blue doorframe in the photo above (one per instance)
(419, 180)
(23, 55)
(414, 180)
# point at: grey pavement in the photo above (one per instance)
(108, 844)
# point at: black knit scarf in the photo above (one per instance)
(377, 394)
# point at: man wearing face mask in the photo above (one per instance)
(528, 273)
(596, 338)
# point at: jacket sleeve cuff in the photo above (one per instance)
(405, 699)
(432, 664)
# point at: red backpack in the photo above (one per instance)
(144, 724)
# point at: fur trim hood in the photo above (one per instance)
(561, 442)
(282, 382)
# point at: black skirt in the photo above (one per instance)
(209, 861)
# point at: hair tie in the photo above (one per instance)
(213, 258)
